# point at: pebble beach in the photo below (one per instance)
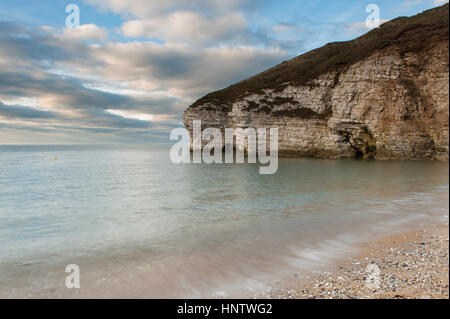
(409, 265)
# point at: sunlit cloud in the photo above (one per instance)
(130, 115)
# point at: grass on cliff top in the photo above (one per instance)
(408, 34)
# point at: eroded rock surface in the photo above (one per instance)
(384, 95)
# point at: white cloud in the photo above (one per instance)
(132, 88)
(440, 1)
(181, 70)
(146, 117)
(153, 8)
(190, 27)
(31, 102)
(132, 115)
(89, 32)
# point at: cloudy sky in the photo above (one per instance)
(128, 72)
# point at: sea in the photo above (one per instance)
(138, 226)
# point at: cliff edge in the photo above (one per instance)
(384, 95)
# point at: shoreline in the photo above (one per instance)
(303, 264)
(411, 265)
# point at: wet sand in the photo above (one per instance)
(413, 264)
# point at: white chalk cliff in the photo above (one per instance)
(384, 95)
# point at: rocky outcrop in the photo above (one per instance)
(384, 95)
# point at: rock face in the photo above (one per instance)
(384, 95)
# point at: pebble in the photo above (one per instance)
(408, 270)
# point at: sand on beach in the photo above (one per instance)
(407, 265)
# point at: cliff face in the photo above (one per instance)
(384, 95)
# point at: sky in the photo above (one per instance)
(128, 71)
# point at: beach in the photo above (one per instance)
(411, 265)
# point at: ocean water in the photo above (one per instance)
(139, 226)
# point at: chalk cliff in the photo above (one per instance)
(384, 95)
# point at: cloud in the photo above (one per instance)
(439, 2)
(22, 45)
(23, 112)
(200, 23)
(181, 70)
(149, 9)
(141, 116)
(188, 27)
(89, 32)
(53, 80)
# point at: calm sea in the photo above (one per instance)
(139, 226)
